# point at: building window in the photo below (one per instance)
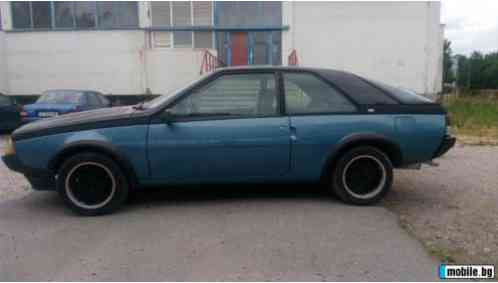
(276, 48)
(160, 13)
(85, 14)
(41, 14)
(64, 14)
(21, 15)
(117, 14)
(162, 39)
(167, 14)
(203, 13)
(68, 14)
(182, 39)
(260, 48)
(181, 13)
(249, 13)
(203, 39)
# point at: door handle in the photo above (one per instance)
(293, 133)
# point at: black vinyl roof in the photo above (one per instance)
(361, 90)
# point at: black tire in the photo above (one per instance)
(92, 184)
(362, 176)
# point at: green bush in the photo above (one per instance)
(472, 114)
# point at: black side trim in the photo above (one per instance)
(447, 143)
(97, 146)
(46, 131)
(429, 108)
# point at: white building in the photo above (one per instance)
(127, 48)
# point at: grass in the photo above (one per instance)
(474, 117)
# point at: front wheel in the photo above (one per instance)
(92, 184)
(362, 176)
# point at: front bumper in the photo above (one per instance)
(42, 180)
(447, 143)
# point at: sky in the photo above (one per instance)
(471, 25)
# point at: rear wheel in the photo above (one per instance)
(362, 176)
(92, 184)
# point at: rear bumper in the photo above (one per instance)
(447, 143)
(39, 179)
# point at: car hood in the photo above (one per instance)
(86, 120)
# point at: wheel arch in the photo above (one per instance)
(97, 147)
(389, 147)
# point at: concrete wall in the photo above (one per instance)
(113, 62)
(170, 69)
(108, 61)
(395, 42)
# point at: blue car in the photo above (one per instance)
(53, 103)
(236, 125)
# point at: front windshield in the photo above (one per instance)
(165, 97)
(60, 97)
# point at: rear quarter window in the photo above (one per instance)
(358, 89)
(403, 95)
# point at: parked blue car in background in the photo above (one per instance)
(250, 125)
(9, 113)
(53, 103)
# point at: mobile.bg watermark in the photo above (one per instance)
(466, 271)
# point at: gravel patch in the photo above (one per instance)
(452, 208)
(12, 185)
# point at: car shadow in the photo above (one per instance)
(48, 204)
(219, 193)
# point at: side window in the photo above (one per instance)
(307, 94)
(5, 101)
(92, 99)
(103, 100)
(237, 95)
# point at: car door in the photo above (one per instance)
(320, 116)
(230, 129)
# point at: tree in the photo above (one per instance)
(448, 75)
(463, 72)
(478, 71)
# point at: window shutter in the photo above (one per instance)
(160, 13)
(162, 39)
(181, 13)
(203, 13)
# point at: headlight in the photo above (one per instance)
(9, 147)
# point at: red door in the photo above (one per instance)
(239, 48)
